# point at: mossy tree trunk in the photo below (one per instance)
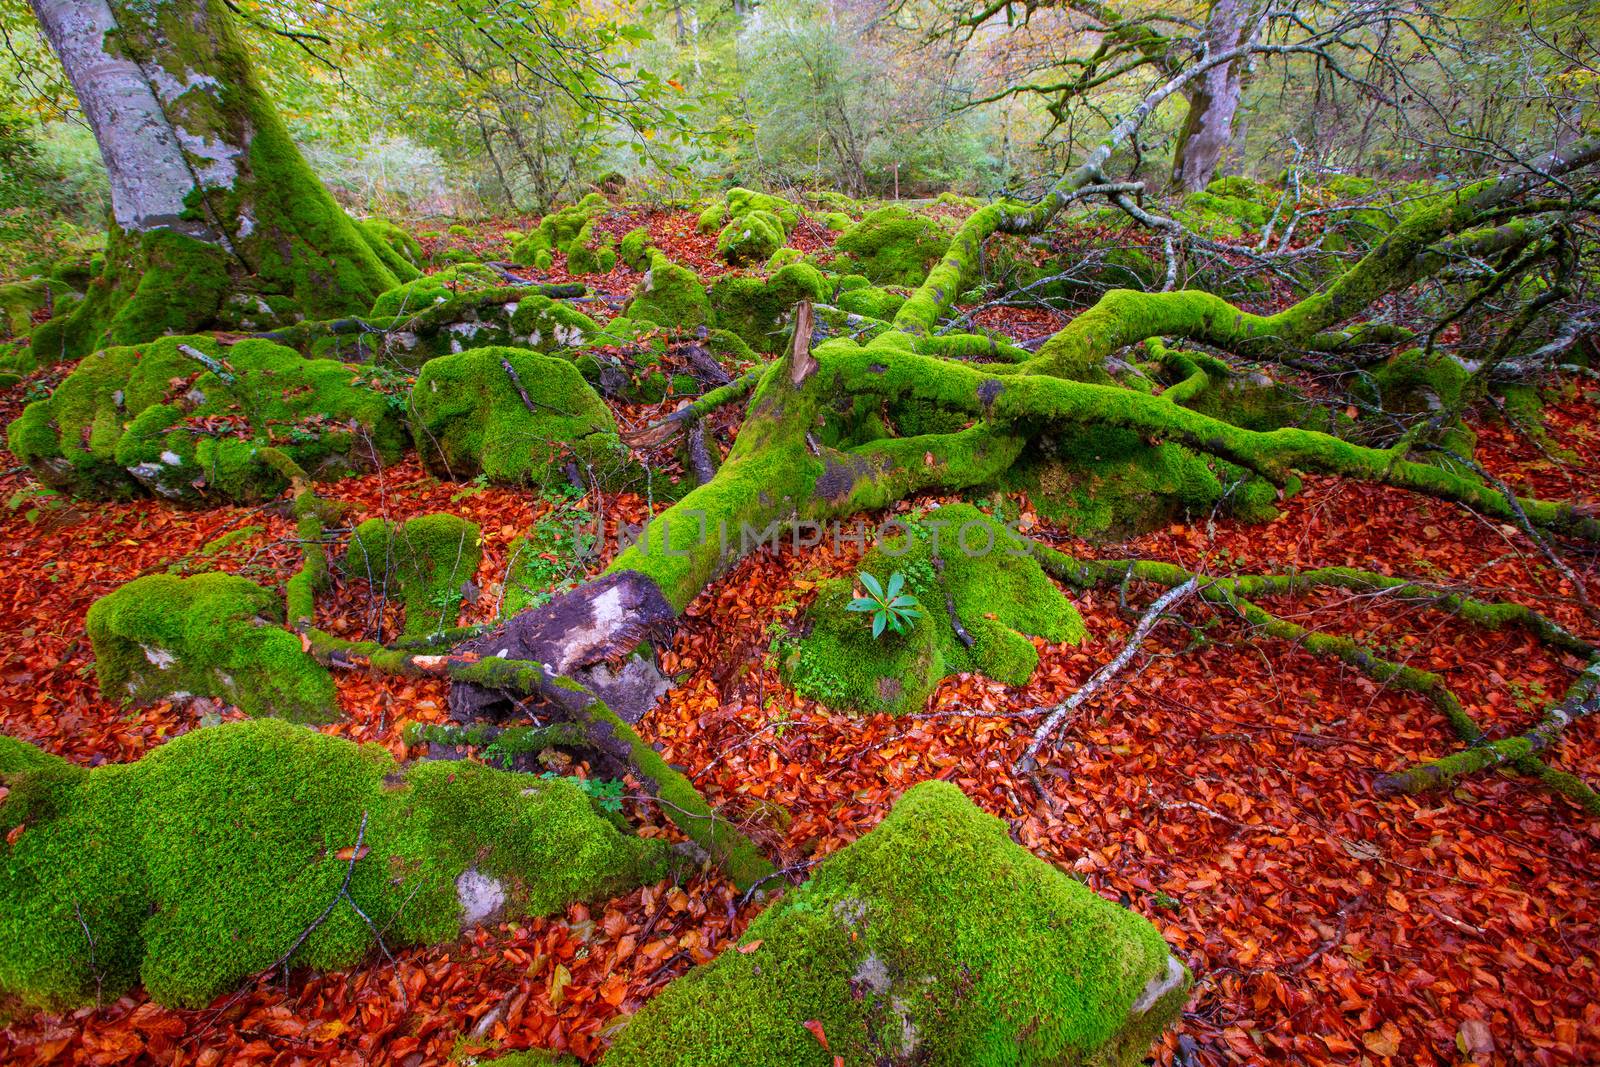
(216, 219)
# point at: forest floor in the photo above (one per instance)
(1224, 792)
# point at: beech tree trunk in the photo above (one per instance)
(1207, 131)
(217, 222)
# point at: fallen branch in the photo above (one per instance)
(1028, 763)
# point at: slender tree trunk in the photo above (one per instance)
(217, 220)
(1207, 130)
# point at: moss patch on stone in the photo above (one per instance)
(202, 864)
(892, 246)
(212, 428)
(750, 238)
(955, 559)
(669, 295)
(427, 561)
(935, 940)
(469, 418)
(213, 635)
(758, 310)
(413, 296)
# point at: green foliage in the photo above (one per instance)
(209, 635)
(889, 607)
(207, 860)
(933, 937)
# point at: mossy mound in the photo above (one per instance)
(932, 940)
(957, 560)
(870, 301)
(892, 246)
(436, 288)
(550, 325)
(428, 561)
(758, 310)
(669, 295)
(634, 248)
(211, 428)
(750, 238)
(20, 301)
(739, 202)
(204, 862)
(469, 417)
(213, 635)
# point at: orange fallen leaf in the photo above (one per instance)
(816, 1031)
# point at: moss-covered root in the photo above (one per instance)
(1482, 753)
(209, 635)
(604, 730)
(933, 940)
(221, 854)
(1581, 699)
(430, 561)
(311, 515)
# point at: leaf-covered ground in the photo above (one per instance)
(1225, 792)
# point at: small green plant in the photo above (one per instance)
(890, 608)
(605, 792)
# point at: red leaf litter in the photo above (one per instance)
(1224, 792)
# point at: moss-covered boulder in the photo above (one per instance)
(471, 416)
(212, 635)
(418, 294)
(428, 561)
(870, 301)
(892, 246)
(932, 940)
(758, 310)
(21, 300)
(750, 238)
(206, 861)
(187, 419)
(634, 248)
(965, 568)
(669, 295)
(392, 243)
(569, 232)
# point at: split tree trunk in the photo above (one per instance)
(216, 219)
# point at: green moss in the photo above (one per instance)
(203, 863)
(209, 635)
(427, 560)
(743, 202)
(469, 418)
(1415, 382)
(383, 234)
(712, 217)
(870, 301)
(533, 1057)
(750, 238)
(954, 558)
(570, 232)
(634, 250)
(758, 310)
(783, 257)
(20, 300)
(837, 221)
(152, 416)
(669, 295)
(892, 246)
(934, 939)
(437, 288)
(550, 325)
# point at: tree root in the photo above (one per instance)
(1481, 753)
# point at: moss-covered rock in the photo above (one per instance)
(20, 301)
(669, 295)
(750, 238)
(870, 301)
(204, 862)
(932, 940)
(634, 248)
(210, 635)
(436, 288)
(210, 428)
(892, 246)
(569, 232)
(550, 325)
(428, 561)
(956, 560)
(758, 310)
(469, 417)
